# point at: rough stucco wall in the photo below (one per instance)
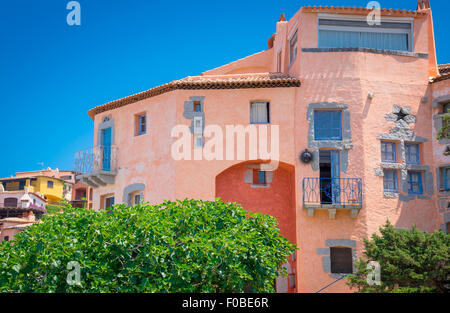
(147, 158)
(348, 77)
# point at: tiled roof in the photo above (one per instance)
(239, 81)
(357, 10)
(444, 73)
(444, 68)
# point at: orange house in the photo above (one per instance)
(354, 108)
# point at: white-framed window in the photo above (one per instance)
(293, 48)
(336, 31)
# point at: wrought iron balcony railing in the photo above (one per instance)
(332, 192)
(97, 159)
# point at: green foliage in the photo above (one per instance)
(54, 209)
(411, 261)
(184, 246)
(444, 132)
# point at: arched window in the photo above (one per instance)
(10, 203)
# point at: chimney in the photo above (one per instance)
(423, 4)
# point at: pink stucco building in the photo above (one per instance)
(358, 107)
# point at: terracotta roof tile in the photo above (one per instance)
(444, 73)
(362, 9)
(239, 81)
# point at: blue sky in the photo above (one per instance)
(51, 74)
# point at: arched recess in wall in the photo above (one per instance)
(270, 193)
(130, 189)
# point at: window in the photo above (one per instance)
(388, 152)
(446, 108)
(259, 113)
(390, 181)
(198, 142)
(137, 199)
(412, 154)
(50, 184)
(335, 33)
(10, 203)
(293, 48)
(328, 125)
(198, 125)
(66, 177)
(197, 106)
(261, 177)
(445, 178)
(109, 202)
(6, 238)
(341, 260)
(415, 183)
(141, 121)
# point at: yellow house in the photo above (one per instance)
(53, 189)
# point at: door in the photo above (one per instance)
(106, 149)
(335, 177)
(329, 177)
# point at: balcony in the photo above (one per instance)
(332, 194)
(98, 166)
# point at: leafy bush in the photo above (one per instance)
(54, 209)
(410, 261)
(185, 246)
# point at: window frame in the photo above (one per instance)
(333, 265)
(333, 137)
(268, 113)
(394, 181)
(141, 121)
(419, 182)
(384, 152)
(348, 18)
(195, 105)
(444, 177)
(408, 153)
(446, 107)
(50, 184)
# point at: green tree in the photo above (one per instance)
(410, 261)
(184, 246)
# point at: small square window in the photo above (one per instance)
(415, 183)
(137, 199)
(259, 113)
(341, 260)
(293, 48)
(197, 106)
(50, 184)
(388, 152)
(327, 125)
(109, 202)
(412, 154)
(390, 181)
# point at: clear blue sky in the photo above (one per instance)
(51, 74)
